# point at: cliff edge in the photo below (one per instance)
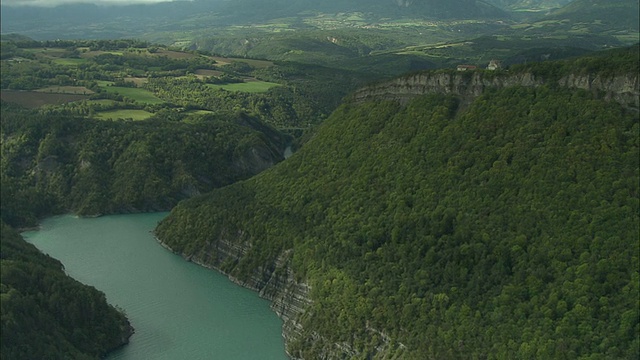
(623, 89)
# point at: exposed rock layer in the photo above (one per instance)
(276, 283)
(469, 85)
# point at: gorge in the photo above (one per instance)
(440, 214)
(442, 187)
(178, 310)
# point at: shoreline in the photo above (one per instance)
(232, 279)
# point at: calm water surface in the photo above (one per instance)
(179, 310)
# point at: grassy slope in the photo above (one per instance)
(124, 114)
(137, 94)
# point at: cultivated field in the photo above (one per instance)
(34, 99)
(106, 102)
(48, 52)
(136, 94)
(258, 64)
(206, 72)
(175, 54)
(91, 54)
(69, 61)
(139, 81)
(75, 90)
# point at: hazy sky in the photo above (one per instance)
(50, 3)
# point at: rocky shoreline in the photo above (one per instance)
(289, 298)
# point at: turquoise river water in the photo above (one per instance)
(179, 310)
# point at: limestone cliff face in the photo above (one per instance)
(257, 159)
(275, 282)
(289, 298)
(468, 85)
(621, 88)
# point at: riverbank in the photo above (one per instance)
(178, 309)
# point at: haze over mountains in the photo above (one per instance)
(356, 34)
(21, 19)
(73, 20)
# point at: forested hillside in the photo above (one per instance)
(502, 225)
(89, 157)
(48, 315)
(505, 229)
(53, 164)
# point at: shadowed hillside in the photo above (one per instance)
(46, 314)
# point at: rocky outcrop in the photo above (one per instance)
(289, 298)
(257, 159)
(469, 85)
(623, 89)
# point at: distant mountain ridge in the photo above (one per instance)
(14, 37)
(623, 13)
(83, 20)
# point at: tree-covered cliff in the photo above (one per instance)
(60, 163)
(48, 315)
(53, 164)
(507, 228)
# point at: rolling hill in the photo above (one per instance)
(619, 13)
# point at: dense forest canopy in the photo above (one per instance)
(508, 229)
(48, 315)
(53, 164)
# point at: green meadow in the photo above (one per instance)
(108, 102)
(69, 61)
(250, 87)
(199, 112)
(124, 114)
(137, 94)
